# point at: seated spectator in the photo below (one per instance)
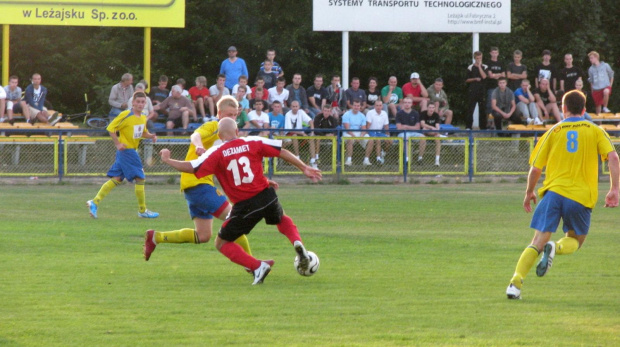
(240, 96)
(258, 95)
(409, 119)
(438, 97)
(13, 97)
(372, 94)
(317, 96)
(503, 104)
(148, 111)
(242, 120)
(279, 93)
(260, 83)
(258, 120)
(325, 120)
(546, 101)
(526, 104)
(416, 90)
(243, 81)
(268, 75)
(201, 98)
(355, 93)
(34, 100)
(589, 101)
(392, 95)
(354, 122)
(298, 120)
(277, 119)
(271, 56)
(335, 97)
(120, 94)
(378, 125)
(184, 92)
(431, 121)
(219, 89)
(160, 93)
(179, 109)
(297, 92)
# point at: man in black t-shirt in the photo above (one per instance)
(317, 96)
(546, 70)
(475, 77)
(569, 74)
(546, 101)
(431, 121)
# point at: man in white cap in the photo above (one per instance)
(233, 68)
(416, 91)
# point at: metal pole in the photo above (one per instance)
(147, 57)
(5, 54)
(345, 60)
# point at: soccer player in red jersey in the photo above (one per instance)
(238, 166)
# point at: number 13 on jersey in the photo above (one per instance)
(248, 175)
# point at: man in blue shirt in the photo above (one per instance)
(34, 100)
(233, 68)
(276, 118)
(354, 121)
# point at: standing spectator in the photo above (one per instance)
(179, 109)
(526, 103)
(409, 119)
(601, 78)
(569, 74)
(546, 101)
(475, 91)
(503, 103)
(260, 84)
(392, 95)
(120, 94)
(438, 97)
(354, 122)
(131, 129)
(13, 97)
(160, 93)
(258, 120)
(570, 157)
(232, 68)
(240, 172)
(34, 100)
(430, 121)
(297, 92)
(218, 90)
(243, 81)
(516, 72)
(495, 70)
(271, 56)
(299, 120)
(546, 70)
(317, 96)
(336, 97)
(268, 75)
(279, 93)
(372, 94)
(378, 125)
(355, 93)
(201, 98)
(416, 91)
(277, 119)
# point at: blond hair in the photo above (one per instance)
(595, 54)
(227, 101)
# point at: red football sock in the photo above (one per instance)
(288, 229)
(237, 255)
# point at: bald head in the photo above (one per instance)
(227, 129)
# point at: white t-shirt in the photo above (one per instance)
(273, 95)
(262, 119)
(214, 91)
(2, 93)
(376, 121)
(248, 90)
(292, 121)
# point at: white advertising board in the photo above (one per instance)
(444, 16)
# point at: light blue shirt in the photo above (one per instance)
(233, 71)
(355, 121)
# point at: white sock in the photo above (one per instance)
(420, 158)
(348, 158)
(378, 158)
(312, 161)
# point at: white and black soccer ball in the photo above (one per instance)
(313, 266)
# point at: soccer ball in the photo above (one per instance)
(313, 266)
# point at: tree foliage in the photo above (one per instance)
(78, 60)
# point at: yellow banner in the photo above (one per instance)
(116, 13)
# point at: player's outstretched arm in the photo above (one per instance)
(530, 193)
(183, 166)
(611, 200)
(313, 174)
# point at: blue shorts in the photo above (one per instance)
(205, 201)
(554, 206)
(377, 134)
(127, 165)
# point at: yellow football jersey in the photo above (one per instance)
(130, 128)
(570, 152)
(208, 135)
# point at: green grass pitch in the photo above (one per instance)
(401, 265)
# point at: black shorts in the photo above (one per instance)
(246, 214)
(178, 122)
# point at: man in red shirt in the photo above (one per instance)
(238, 166)
(416, 91)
